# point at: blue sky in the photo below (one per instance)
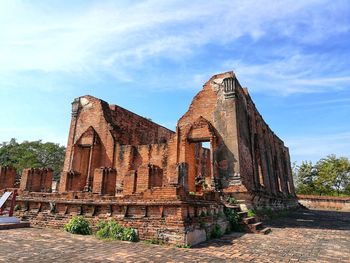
(152, 57)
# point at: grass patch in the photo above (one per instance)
(183, 246)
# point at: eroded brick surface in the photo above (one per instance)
(303, 236)
(7, 177)
(122, 166)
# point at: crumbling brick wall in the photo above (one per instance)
(97, 133)
(247, 155)
(104, 181)
(36, 180)
(7, 177)
(244, 155)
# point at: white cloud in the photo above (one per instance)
(293, 73)
(118, 38)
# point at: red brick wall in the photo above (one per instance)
(36, 180)
(104, 182)
(7, 177)
(264, 160)
(246, 154)
(135, 130)
(96, 136)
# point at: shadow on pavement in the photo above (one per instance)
(309, 218)
(224, 240)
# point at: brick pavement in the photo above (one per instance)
(303, 236)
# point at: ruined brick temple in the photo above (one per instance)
(161, 182)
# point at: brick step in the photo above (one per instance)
(265, 231)
(234, 207)
(249, 220)
(255, 227)
(243, 214)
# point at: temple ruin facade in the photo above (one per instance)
(121, 165)
(137, 155)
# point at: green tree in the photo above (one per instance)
(306, 176)
(34, 154)
(333, 174)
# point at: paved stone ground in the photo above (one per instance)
(304, 236)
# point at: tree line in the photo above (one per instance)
(32, 154)
(328, 176)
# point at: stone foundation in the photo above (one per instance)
(170, 221)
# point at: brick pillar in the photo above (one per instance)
(182, 170)
(36, 180)
(130, 180)
(46, 180)
(7, 177)
(63, 182)
(143, 177)
(25, 180)
(104, 181)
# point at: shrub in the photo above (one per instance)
(17, 207)
(78, 225)
(216, 231)
(113, 231)
(234, 219)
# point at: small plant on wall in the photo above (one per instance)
(231, 200)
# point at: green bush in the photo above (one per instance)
(113, 231)
(78, 225)
(234, 219)
(216, 231)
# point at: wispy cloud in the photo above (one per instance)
(121, 38)
(294, 73)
